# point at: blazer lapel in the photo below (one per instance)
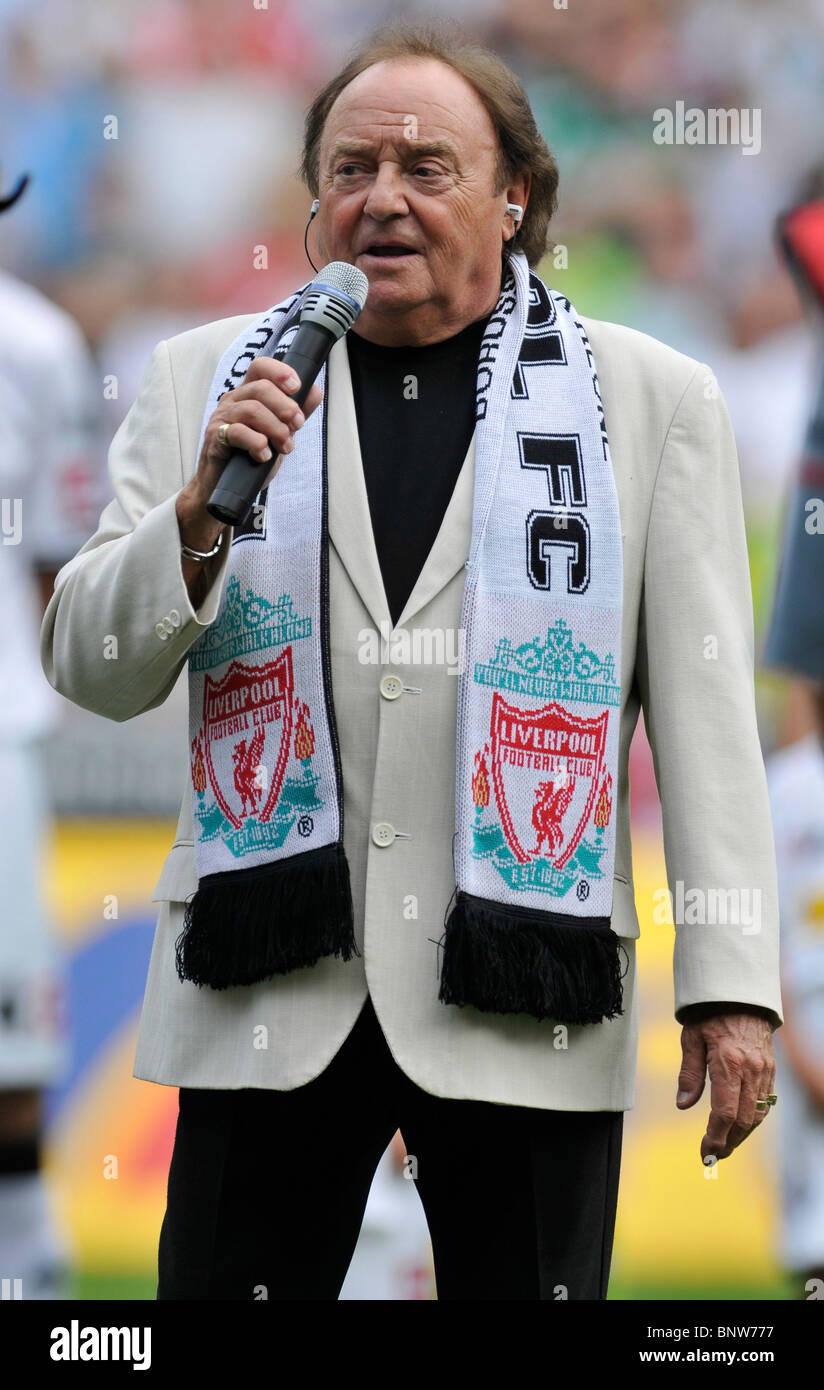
(350, 522)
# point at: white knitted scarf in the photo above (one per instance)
(538, 706)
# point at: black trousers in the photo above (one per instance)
(268, 1188)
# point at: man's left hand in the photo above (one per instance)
(735, 1045)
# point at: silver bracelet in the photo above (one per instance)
(201, 554)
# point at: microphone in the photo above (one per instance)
(331, 305)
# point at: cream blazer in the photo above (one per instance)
(687, 660)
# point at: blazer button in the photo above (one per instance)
(167, 625)
(391, 687)
(383, 833)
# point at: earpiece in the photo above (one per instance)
(312, 211)
(515, 210)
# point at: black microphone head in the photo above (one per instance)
(335, 297)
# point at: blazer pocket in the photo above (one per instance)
(178, 880)
(624, 915)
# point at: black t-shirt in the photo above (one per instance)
(415, 408)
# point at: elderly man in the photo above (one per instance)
(398, 895)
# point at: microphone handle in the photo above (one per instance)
(242, 478)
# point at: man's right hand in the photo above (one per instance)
(260, 416)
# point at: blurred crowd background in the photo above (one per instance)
(162, 139)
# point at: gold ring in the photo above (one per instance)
(772, 1099)
(761, 1105)
(222, 432)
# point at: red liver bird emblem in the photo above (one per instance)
(247, 761)
(547, 812)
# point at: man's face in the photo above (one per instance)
(407, 177)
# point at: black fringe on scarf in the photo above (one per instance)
(505, 960)
(244, 926)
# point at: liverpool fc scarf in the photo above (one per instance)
(528, 927)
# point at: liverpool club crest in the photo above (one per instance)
(541, 779)
(252, 723)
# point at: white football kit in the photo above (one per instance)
(796, 783)
(48, 481)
